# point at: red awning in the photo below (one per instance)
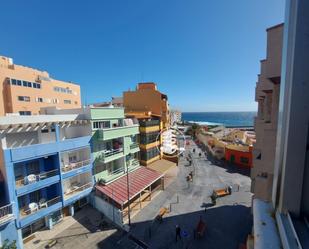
(138, 179)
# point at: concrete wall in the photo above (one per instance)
(107, 209)
(267, 96)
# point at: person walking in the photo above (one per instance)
(178, 231)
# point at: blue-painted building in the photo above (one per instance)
(47, 172)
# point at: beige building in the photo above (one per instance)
(25, 90)
(267, 95)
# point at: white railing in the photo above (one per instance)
(36, 178)
(75, 165)
(6, 212)
(75, 188)
(38, 206)
(134, 145)
(134, 162)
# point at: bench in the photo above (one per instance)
(162, 212)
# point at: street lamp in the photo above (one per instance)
(129, 157)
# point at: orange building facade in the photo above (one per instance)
(241, 158)
(25, 90)
(151, 108)
(147, 98)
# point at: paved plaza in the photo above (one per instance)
(228, 223)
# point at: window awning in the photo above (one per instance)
(139, 180)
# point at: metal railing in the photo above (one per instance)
(134, 146)
(36, 178)
(75, 189)
(106, 154)
(75, 165)
(134, 162)
(5, 211)
(40, 205)
(112, 174)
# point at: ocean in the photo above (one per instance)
(234, 119)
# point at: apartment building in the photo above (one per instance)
(267, 95)
(151, 108)
(283, 221)
(147, 99)
(46, 166)
(25, 90)
(175, 116)
(120, 181)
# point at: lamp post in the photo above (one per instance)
(128, 187)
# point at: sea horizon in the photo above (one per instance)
(232, 119)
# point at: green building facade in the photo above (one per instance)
(114, 144)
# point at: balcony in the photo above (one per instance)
(116, 132)
(6, 214)
(75, 189)
(107, 176)
(33, 178)
(133, 164)
(36, 181)
(134, 147)
(75, 165)
(34, 207)
(106, 156)
(40, 150)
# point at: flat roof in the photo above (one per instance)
(275, 26)
(20, 120)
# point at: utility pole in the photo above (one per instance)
(128, 189)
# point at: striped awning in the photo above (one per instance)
(139, 180)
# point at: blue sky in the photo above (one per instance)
(204, 54)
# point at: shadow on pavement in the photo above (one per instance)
(226, 227)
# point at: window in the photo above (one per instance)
(67, 101)
(24, 98)
(44, 131)
(25, 83)
(62, 90)
(244, 160)
(55, 101)
(25, 113)
(39, 99)
(101, 124)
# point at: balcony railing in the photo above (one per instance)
(35, 207)
(6, 212)
(33, 178)
(110, 175)
(134, 146)
(108, 153)
(75, 165)
(134, 163)
(76, 188)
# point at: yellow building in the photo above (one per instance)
(25, 90)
